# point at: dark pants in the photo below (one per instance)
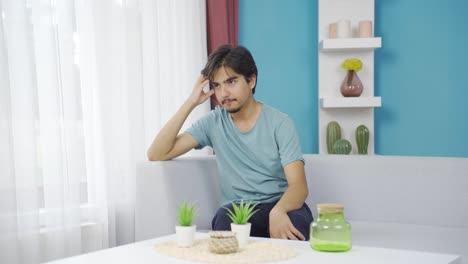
(300, 218)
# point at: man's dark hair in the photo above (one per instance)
(237, 58)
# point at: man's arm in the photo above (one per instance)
(294, 197)
(168, 144)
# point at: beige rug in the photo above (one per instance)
(254, 252)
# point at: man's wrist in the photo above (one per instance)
(190, 104)
(278, 209)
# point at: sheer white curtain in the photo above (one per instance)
(84, 87)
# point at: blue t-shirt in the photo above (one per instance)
(250, 163)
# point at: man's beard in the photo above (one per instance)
(233, 111)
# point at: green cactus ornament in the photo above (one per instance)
(362, 139)
(342, 146)
(333, 134)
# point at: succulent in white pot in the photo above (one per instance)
(185, 231)
(240, 216)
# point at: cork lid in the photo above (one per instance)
(330, 207)
(221, 234)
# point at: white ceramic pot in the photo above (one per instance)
(185, 235)
(242, 233)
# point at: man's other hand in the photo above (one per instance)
(282, 227)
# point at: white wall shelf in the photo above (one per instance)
(350, 44)
(349, 112)
(349, 102)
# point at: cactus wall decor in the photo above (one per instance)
(362, 139)
(342, 146)
(333, 135)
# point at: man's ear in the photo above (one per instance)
(252, 81)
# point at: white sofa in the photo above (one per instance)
(418, 203)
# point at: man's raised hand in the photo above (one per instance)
(199, 96)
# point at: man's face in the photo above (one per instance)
(232, 89)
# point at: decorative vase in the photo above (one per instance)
(365, 29)
(242, 233)
(330, 231)
(343, 28)
(352, 85)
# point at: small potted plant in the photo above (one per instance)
(240, 216)
(352, 85)
(185, 231)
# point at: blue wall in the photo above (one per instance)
(282, 36)
(419, 71)
(421, 77)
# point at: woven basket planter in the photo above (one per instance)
(222, 242)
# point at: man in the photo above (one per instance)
(257, 148)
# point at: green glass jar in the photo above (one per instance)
(330, 231)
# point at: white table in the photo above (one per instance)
(144, 252)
